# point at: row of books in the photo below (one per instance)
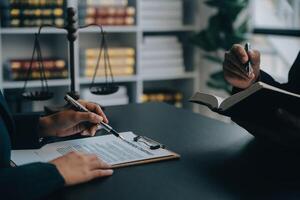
(161, 13)
(28, 13)
(162, 55)
(172, 97)
(106, 13)
(122, 61)
(16, 69)
(118, 98)
(37, 3)
(169, 96)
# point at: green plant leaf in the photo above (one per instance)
(220, 34)
(213, 58)
(217, 81)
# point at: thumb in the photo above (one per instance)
(254, 57)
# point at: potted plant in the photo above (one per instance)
(224, 29)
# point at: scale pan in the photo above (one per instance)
(37, 95)
(104, 89)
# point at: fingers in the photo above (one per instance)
(100, 112)
(71, 131)
(96, 163)
(240, 83)
(102, 173)
(87, 116)
(240, 53)
(99, 168)
(235, 72)
(90, 131)
(93, 107)
(231, 63)
(254, 56)
(79, 119)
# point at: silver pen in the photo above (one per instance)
(248, 65)
(81, 108)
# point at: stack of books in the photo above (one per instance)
(122, 61)
(118, 98)
(30, 13)
(163, 95)
(106, 12)
(162, 55)
(161, 13)
(17, 69)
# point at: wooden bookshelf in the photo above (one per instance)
(20, 42)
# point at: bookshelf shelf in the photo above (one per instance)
(118, 79)
(169, 29)
(18, 41)
(186, 75)
(110, 29)
(35, 83)
(30, 31)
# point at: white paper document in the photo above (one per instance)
(109, 148)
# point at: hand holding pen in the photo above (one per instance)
(70, 122)
(241, 66)
(79, 107)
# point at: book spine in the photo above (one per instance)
(123, 71)
(35, 13)
(17, 69)
(102, 12)
(107, 13)
(163, 95)
(113, 61)
(122, 61)
(112, 52)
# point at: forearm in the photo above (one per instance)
(32, 181)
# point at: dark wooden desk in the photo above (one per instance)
(219, 161)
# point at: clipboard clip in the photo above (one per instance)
(149, 142)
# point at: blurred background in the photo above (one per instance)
(159, 50)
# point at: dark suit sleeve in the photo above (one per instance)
(31, 181)
(26, 132)
(244, 119)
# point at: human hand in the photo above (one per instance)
(234, 69)
(70, 122)
(78, 168)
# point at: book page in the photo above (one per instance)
(212, 101)
(21, 157)
(109, 148)
(234, 99)
(220, 100)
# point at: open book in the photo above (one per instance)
(111, 149)
(259, 96)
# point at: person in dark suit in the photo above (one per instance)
(36, 180)
(282, 126)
